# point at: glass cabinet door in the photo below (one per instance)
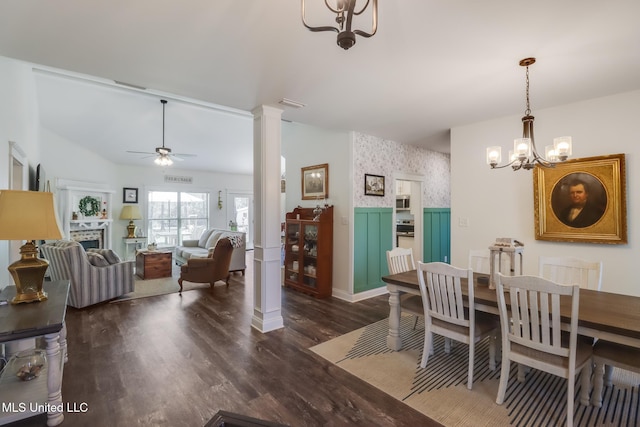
(292, 251)
(310, 251)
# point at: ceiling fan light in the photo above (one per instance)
(163, 160)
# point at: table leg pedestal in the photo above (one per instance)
(54, 378)
(394, 342)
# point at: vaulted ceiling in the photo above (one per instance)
(431, 66)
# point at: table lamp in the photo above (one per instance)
(131, 212)
(28, 215)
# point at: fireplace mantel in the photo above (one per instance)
(70, 193)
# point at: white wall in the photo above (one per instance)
(18, 118)
(152, 178)
(499, 203)
(303, 146)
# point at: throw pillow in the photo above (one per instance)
(205, 236)
(97, 260)
(108, 254)
(213, 239)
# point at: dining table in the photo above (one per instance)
(603, 315)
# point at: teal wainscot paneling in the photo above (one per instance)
(437, 235)
(373, 237)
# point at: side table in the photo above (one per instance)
(30, 320)
(153, 264)
(136, 242)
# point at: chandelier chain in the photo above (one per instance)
(527, 112)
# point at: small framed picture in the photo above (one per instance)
(373, 185)
(129, 195)
(315, 182)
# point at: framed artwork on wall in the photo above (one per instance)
(129, 195)
(315, 182)
(373, 185)
(582, 200)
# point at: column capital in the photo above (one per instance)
(267, 110)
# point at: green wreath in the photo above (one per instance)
(89, 206)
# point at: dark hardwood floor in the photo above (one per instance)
(176, 360)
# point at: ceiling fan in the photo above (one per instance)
(164, 156)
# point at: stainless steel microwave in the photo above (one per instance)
(403, 202)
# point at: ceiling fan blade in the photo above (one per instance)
(183, 155)
(140, 152)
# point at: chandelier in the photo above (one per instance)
(525, 154)
(345, 11)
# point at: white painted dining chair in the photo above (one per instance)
(608, 354)
(400, 260)
(446, 315)
(479, 262)
(571, 271)
(532, 333)
(587, 275)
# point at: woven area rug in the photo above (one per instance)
(155, 287)
(440, 392)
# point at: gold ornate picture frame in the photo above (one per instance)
(582, 200)
(315, 182)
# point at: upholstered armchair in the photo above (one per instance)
(211, 269)
(95, 275)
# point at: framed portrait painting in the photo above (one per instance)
(373, 185)
(582, 200)
(315, 182)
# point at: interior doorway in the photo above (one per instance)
(240, 212)
(408, 224)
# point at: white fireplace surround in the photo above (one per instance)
(69, 193)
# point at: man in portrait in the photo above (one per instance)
(581, 211)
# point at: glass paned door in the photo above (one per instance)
(240, 214)
(174, 216)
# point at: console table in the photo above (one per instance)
(23, 399)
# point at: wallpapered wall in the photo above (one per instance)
(376, 156)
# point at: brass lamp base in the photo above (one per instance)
(131, 229)
(28, 275)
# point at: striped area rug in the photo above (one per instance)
(439, 391)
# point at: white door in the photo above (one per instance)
(240, 212)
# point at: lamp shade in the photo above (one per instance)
(130, 212)
(28, 215)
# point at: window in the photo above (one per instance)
(175, 216)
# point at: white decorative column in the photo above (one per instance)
(267, 303)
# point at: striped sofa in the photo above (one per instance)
(91, 282)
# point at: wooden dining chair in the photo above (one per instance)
(446, 315)
(532, 333)
(571, 271)
(400, 260)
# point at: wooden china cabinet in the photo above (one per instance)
(308, 261)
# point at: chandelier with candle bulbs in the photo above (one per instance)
(525, 154)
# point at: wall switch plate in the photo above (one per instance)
(463, 222)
